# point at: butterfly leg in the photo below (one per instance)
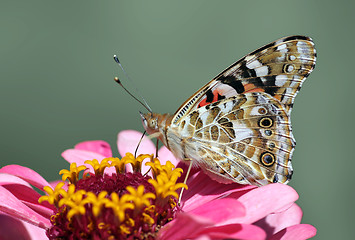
(187, 175)
(139, 143)
(156, 148)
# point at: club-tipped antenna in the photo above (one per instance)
(144, 103)
(119, 82)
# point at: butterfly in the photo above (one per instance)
(237, 127)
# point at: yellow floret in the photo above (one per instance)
(99, 167)
(139, 198)
(53, 195)
(136, 162)
(73, 174)
(120, 164)
(119, 205)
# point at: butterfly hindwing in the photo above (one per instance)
(278, 68)
(246, 138)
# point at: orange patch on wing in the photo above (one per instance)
(203, 103)
(278, 97)
(252, 88)
(215, 99)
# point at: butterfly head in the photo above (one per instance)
(155, 124)
(150, 122)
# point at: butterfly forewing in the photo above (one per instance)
(278, 68)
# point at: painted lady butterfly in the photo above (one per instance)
(237, 127)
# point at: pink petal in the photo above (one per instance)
(220, 210)
(44, 209)
(127, 141)
(235, 231)
(165, 155)
(98, 146)
(24, 192)
(273, 223)
(203, 237)
(26, 174)
(203, 189)
(183, 226)
(264, 200)
(80, 156)
(296, 232)
(28, 196)
(9, 204)
(6, 179)
(11, 228)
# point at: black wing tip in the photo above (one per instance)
(296, 37)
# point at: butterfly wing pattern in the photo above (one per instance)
(237, 127)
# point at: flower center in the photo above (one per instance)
(114, 206)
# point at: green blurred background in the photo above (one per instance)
(57, 85)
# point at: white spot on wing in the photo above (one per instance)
(203, 117)
(253, 64)
(293, 84)
(227, 108)
(282, 46)
(242, 133)
(290, 68)
(289, 92)
(301, 44)
(280, 80)
(261, 71)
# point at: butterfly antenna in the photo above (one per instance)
(119, 82)
(144, 103)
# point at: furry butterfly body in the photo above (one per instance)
(237, 127)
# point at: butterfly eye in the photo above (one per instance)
(153, 123)
(267, 159)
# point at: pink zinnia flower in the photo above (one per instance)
(209, 210)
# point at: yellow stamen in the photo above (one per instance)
(119, 205)
(164, 187)
(120, 164)
(167, 169)
(136, 162)
(53, 195)
(73, 174)
(139, 198)
(75, 203)
(97, 201)
(148, 219)
(124, 229)
(67, 194)
(99, 167)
